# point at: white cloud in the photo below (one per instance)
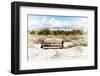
(83, 23)
(44, 20)
(51, 21)
(33, 22)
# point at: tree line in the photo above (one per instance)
(56, 32)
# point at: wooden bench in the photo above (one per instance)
(52, 43)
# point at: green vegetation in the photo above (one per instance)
(79, 37)
(56, 32)
(44, 32)
(32, 32)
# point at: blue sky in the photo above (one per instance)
(56, 22)
(60, 18)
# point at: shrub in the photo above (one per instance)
(32, 32)
(58, 32)
(54, 32)
(44, 32)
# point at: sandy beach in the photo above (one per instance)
(75, 52)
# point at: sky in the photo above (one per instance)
(36, 22)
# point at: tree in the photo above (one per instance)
(44, 32)
(32, 32)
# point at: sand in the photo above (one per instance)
(75, 52)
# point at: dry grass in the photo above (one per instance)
(75, 47)
(76, 39)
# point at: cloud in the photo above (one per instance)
(33, 22)
(53, 23)
(44, 20)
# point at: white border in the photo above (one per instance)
(24, 65)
